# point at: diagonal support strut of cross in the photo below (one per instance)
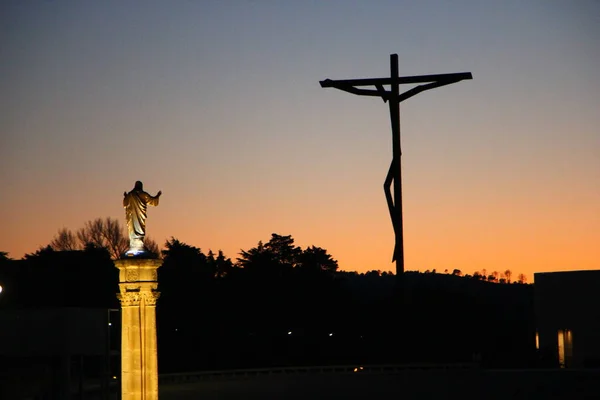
(393, 98)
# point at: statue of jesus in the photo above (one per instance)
(135, 203)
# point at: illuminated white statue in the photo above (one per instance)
(136, 202)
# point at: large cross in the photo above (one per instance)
(393, 98)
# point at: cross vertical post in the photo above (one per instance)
(396, 167)
(394, 98)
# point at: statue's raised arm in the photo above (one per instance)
(136, 203)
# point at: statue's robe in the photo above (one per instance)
(136, 202)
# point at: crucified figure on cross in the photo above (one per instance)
(393, 97)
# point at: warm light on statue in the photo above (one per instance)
(136, 203)
(138, 293)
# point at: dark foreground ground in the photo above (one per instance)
(412, 385)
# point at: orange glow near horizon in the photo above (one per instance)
(360, 244)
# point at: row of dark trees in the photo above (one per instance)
(107, 233)
(495, 276)
(279, 304)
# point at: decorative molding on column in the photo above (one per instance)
(138, 293)
(150, 298)
(138, 269)
(129, 299)
(131, 275)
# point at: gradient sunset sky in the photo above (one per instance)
(218, 104)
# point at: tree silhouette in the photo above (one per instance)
(508, 274)
(183, 255)
(220, 265)
(283, 249)
(190, 259)
(276, 258)
(279, 256)
(316, 259)
(104, 233)
(65, 240)
(256, 259)
(49, 278)
(183, 278)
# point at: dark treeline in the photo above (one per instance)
(278, 305)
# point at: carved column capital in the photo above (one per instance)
(129, 299)
(150, 298)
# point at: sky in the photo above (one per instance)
(218, 104)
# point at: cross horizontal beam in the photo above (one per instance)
(446, 78)
(429, 82)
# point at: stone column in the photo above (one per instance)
(138, 286)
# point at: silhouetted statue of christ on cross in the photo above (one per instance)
(135, 203)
